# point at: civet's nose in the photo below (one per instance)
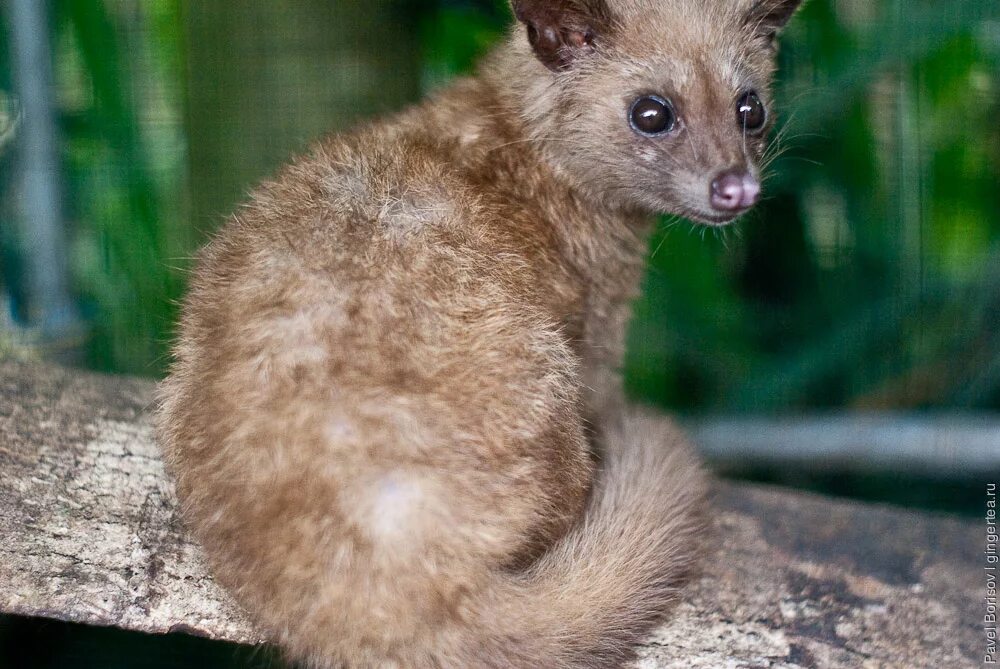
(734, 190)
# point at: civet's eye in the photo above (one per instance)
(652, 115)
(750, 112)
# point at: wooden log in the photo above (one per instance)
(88, 533)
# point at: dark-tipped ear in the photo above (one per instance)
(560, 31)
(768, 17)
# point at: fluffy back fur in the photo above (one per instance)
(395, 417)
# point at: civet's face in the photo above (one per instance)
(664, 103)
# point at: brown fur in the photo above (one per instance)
(397, 362)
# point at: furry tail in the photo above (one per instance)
(596, 593)
(582, 605)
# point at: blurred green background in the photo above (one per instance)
(870, 276)
(869, 279)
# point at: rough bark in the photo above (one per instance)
(88, 533)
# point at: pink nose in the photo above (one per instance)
(733, 190)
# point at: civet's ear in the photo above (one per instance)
(561, 31)
(768, 17)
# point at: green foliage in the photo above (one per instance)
(123, 179)
(455, 36)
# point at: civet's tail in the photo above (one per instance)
(586, 602)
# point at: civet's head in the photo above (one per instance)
(664, 104)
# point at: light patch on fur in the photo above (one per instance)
(393, 504)
(732, 69)
(339, 428)
(649, 155)
(469, 137)
(693, 192)
(682, 74)
(290, 342)
(298, 332)
(348, 184)
(408, 213)
(400, 211)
